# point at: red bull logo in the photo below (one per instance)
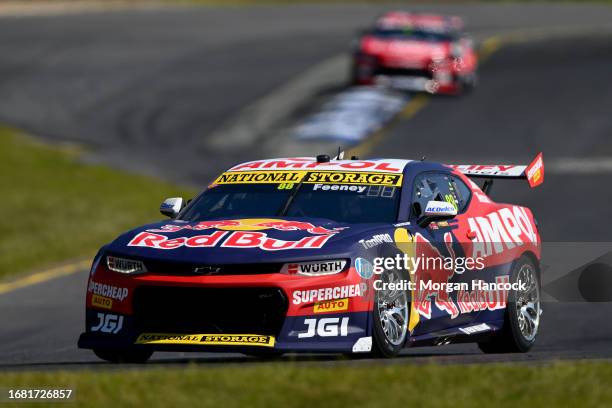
(240, 233)
(431, 284)
(237, 239)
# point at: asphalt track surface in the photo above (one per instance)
(155, 83)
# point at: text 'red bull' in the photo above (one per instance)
(236, 239)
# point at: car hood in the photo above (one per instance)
(249, 240)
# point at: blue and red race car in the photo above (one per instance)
(319, 255)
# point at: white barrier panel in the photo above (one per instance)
(352, 115)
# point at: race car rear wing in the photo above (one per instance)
(533, 172)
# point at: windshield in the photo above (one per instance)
(414, 35)
(338, 202)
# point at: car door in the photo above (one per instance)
(441, 253)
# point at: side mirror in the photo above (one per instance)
(172, 206)
(437, 211)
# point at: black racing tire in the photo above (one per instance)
(124, 356)
(382, 344)
(512, 337)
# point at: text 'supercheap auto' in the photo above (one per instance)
(324, 255)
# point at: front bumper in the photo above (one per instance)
(416, 79)
(268, 312)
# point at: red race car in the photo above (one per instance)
(416, 52)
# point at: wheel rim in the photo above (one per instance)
(528, 303)
(393, 310)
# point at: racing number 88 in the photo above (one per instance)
(285, 186)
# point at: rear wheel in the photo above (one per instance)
(390, 316)
(522, 316)
(124, 356)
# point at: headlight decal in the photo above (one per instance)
(127, 266)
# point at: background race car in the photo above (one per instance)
(416, 52)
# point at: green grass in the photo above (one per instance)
(566, 384)
(54, 207)
(381, 2)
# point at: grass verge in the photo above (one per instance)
(55, 208)
(584, 384)
(398, 3)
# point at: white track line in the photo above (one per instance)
(580, 165)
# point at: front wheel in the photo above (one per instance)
(124, 356)
(390, 316)
(522, 316)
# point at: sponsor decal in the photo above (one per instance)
(102, 302)
(509, 170)
(325, 327)
(313, 177)
(207, 339)
(535, 171)
(338, 305)
(376, 240)
(316, 268)
(364, 268)
(388, 166)
(108, 323)
(433, 286)
(123, 265)
(237, 239)
(321, 294)
(108, 291)
(439, 207)
(332, 177)
(260, 177)
(475, 329)
(501, 230)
